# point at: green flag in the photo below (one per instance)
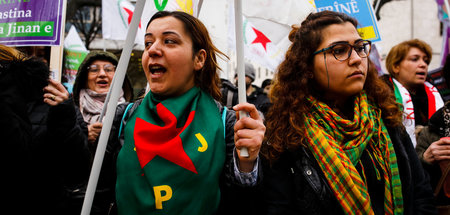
(172, 157)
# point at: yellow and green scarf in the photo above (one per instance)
(337, 145)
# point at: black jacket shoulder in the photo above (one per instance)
(295, 184)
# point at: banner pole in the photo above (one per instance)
(57, 52)
(200, 3)
(115, 90)
(377, 6)
(242, 94)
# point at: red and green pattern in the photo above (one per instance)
(338, 144)
(173, 155)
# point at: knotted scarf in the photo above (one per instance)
(173, 155)
(91, 104)
(338, 144)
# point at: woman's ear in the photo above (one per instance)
(199, 60)
(396, 70)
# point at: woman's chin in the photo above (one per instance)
(101, 90)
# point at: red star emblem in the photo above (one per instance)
(151, 140)
(260, 38)
(130, 15)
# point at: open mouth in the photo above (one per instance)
(421, 73)
(102, 82)
(157, 69)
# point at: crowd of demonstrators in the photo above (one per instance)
(255, 95)
(181, 147)
(44, 150)
(91, 86)
(336, 142)
(407, 64)
(433, 149)
(229, 91)
(334, 138)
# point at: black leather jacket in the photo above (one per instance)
(295, 183)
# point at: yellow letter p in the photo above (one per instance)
(159, 198)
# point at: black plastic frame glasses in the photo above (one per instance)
(343, 50)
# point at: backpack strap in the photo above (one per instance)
(224, 117)
(230, 96)
(125, 116)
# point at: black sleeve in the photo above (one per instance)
(235, 198)
(417, 192)
(279, 188)
(69, 138)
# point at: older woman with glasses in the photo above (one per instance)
(334, 140)
(90, 89)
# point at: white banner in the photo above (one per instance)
(266, 28)
(116, 15)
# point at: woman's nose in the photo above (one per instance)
(354, 57)
(102, 72)
(155, 49)
(423, 63)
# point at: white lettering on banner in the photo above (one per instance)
(15, 14)
(48, 28)
(12, 28)
(348, 7)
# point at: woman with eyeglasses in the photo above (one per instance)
(407, 64)
(334, 141)
(90, 89)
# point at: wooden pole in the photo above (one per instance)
(57, 52)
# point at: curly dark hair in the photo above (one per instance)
(293, 84)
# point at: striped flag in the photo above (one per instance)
(403, 97)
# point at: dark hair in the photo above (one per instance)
(207, 78)
(293, 84)
(30, 73)
(266, 82)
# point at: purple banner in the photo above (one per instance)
(30, 22)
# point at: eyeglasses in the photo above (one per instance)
(108, 68)
(343, 50)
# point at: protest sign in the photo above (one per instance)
(360, 9)
(31, 22)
